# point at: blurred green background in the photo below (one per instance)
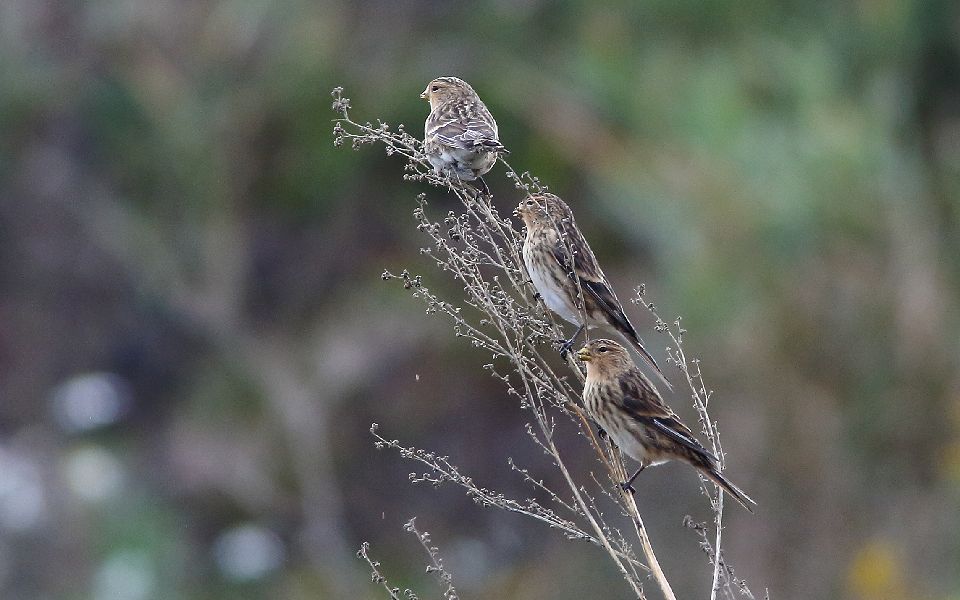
(194, 337)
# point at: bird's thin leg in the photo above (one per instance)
(450, 174)
(627, 485)
(460, 182)
(484, 188)
(566, 345)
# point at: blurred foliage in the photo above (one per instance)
(176, 224)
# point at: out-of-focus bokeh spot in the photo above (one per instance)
(126, 575)
(248, 552)
(93, 473)
(24, 500)
(876, 573)
(90, 401)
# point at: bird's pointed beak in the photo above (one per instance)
(583, 354)
(424, 95)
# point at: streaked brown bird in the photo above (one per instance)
(567, 276)
(460, 135)
(627, 406)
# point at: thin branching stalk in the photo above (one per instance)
(502, 315)
(723, 577)
(436, 562)
(375, 575)
(435, 567)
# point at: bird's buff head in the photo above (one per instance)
(444, 89)
(605, 357)
(543, 209)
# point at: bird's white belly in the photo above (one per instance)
(553, 296)
(631, 443)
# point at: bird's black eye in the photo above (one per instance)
(530, 203)
(435, 88)
(602, 349)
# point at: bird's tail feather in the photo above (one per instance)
(635, 338)
(728, 486)
(493, 145)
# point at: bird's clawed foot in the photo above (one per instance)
(566, 345)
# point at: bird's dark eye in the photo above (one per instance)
(602, 349)
(435, 88)
(530, 202)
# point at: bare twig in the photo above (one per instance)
(376, 576)
(436, 566)
(502, 315)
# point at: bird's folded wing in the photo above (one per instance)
(603, 295)
(574, 255)
(678, 432)
(640, 400)
(643, 404)
(464, 134)
(572, 248)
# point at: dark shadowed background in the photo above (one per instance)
(194, 335)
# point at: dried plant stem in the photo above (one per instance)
(375, 575)
(722, 574)
(617, 472)
(502, 315)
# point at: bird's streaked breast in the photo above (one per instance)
(544, 279)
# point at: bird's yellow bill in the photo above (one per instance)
(583, 354)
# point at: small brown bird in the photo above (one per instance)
(629, 408)
(460, 135)
(565, 272)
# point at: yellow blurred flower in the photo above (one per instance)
(875, 573)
